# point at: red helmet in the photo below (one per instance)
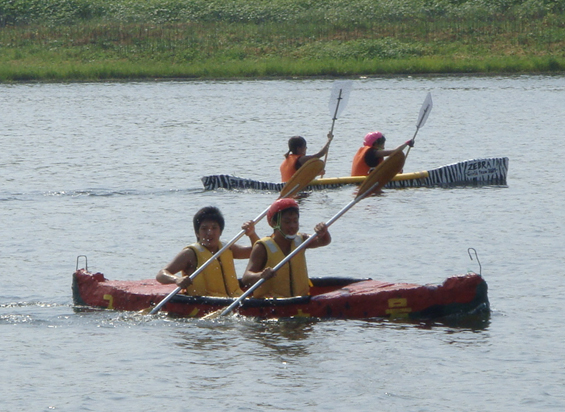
(278, 206)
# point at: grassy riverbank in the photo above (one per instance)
(58, 40)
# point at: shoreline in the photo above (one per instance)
(102, 72)
(278, 78)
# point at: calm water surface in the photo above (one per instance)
(112, 171)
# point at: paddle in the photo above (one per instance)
(423, 116)
(373, 183)
(338, 101)
(299, 180)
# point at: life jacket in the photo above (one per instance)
(218, 279)
(291, 279)
(288, 167)
(360, 166)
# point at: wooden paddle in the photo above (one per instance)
(423, 116)
(374, 182)
(299, 180)
(339, 98)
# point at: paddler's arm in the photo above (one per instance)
(243, 252)
(383, 153)
(185, 260)
(256, 267)
(304, 159)
(323, 239)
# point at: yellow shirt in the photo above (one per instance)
(218, 279)
(291, 279)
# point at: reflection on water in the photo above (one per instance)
(472, 323)
(281, 338)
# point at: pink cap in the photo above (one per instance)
(371, 138)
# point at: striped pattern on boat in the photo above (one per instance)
(473, 172)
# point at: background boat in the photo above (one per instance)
(473, 172)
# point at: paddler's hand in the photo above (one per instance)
(330, 136)
(410, 143)
(324, 238)
(321, 229)
(183, 282)
(249, 228)
(267, 273)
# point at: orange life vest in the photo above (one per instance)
(288, 167)
(360, 167)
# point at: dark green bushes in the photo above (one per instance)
(128, 38)
(348, 12)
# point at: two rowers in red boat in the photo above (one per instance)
(219, 278)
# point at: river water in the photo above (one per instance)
(112, 171)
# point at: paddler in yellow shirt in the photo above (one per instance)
(291, 279)
(219, 278)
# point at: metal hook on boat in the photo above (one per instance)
(85, 262)
(477, 257)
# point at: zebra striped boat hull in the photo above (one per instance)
(474, 172)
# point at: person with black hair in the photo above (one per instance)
(219, 277)
(296, 156)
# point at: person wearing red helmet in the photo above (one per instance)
(296, 156)
(372, 153)
(292, 278)
(219, 277)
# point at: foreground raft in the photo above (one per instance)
(474, 172)
(331, 298)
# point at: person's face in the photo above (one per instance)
(380, 143)
(290, 222)
(209, 233)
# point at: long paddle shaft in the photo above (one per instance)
(423, 116)
(301, 178)
(340, 94)
(377, 179)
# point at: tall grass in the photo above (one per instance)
(85, 39)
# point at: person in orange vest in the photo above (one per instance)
(296, 156)
(292, 278)
(372, 153)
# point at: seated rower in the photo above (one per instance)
(292, 278)
(296, 156)
(372, 153)
(219, 277)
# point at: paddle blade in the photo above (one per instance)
(302, 177)
(339, 97)
(425, 111)
(212, 315)
(382, 174)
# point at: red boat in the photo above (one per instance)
(332, 297)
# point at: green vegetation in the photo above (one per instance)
(124, 39)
